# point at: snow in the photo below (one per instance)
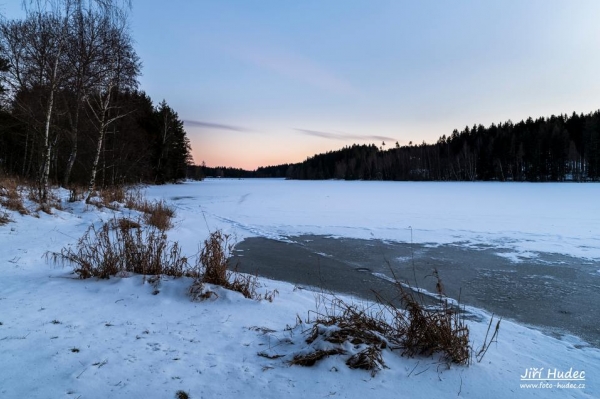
(61, 337)
(525, 218)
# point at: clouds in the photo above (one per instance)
(343, 136)
(301, 69)
(209, 125)
(292, 65)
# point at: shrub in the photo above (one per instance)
(159, 215)
(123, 247)
(414, 328)
(34, 194)
(113, 194)
(10, 197)
(4, 219)
(75, 194)
(213, 259)
(213, 269)
(433, 330)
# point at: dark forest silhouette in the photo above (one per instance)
(558, 148)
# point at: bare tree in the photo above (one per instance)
(35, 52)
(85, 20)
(120, 67)
(84, 58)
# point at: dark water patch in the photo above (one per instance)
(556, 292)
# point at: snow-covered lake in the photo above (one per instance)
(61, 337)
(522, 217)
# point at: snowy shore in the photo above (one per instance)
(64, 337)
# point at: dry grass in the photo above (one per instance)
(4, 218)
(213, 268)
(10, 196)
(159, 215)
(76, 193)
(134, 198)
(214, 259)
(311, 358)
(441, 329)
(341, 325)
(108, 197)
(414, 328)
(156, 213)
(369, 358)
(113, 194)
(122, 247)
(52, 201)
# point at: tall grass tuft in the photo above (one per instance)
(439, 329)
(413, 328)
(10, 196)
(213, 268)
(122, 247)
(159, 215)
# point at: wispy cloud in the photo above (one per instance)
(293, 66)
(343, 136)
(211, 125)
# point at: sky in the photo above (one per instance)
(262, 83)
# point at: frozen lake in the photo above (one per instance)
(529, 252)
(519, 219)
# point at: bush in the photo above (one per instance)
(4, 219)
(159, 215)
(122, 247)
(10, 197)
(52, 201)
(368, 330)
(76, 193)
(434, 330)
(213, 269)
(113, 194)
(213, 259)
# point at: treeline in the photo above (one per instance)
(71, 110)
(559, 148)
(202, 171)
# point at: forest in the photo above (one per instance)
(71, 110)
(558, 148)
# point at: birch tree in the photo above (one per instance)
(35, 52)
(120, 67)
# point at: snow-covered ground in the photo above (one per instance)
(61, 337)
